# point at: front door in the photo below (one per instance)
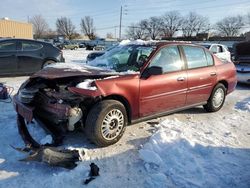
(167, 91)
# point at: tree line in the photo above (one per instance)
(164, 26)
(64, 27)
(172, 22)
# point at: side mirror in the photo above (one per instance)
(154, 70)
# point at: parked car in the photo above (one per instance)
(128, 84)
(99, 48)
(21, 56)
(91, 56)
(68, 45)
(82, 45)
(89, 46)
(221, 51)
(242, 61)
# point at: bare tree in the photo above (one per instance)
(65, 27)
(153, 27)
(40, 26)
(137, 31)
(87, 25)
(230, 26)
(172, 22)
(194, 24)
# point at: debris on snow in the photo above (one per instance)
(53, 156)
(94, 171)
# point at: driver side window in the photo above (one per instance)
(168, 59)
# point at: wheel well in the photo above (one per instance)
(50, 59)
(124, 101)
(224, 82)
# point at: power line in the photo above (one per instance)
(156, 8)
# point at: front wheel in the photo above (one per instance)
(106, 122)
(217, 99)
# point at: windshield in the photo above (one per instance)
(123, 58)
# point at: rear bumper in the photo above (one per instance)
(243, 77)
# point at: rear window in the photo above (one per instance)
(8, 46)
(26, 46)
(195, 56)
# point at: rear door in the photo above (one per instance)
(30, 56)
(167, 91)
(201, 74)
(8, 61)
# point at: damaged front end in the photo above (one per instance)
(55, 104)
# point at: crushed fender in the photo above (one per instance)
(94, 171)
(52, 156)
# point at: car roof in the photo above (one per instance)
(17, 39)
(207, 43)
(157, 44)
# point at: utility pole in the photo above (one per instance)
(120, 26)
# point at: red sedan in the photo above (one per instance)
(129, 83)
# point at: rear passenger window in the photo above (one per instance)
(8, 46)
(210, 60)
(26, 46)
(195, 56)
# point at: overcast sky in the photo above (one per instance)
(106, 12)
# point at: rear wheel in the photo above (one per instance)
(217, 98)
(106, 122)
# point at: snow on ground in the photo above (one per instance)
(76, 56)
(186, 149)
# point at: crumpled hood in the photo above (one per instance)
(62, 70)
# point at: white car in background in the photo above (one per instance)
(221, 51)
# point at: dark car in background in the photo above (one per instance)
(68, 45)
(242, 61)
(96, 54)
(22, 56)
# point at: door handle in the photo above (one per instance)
(213, 74)
(180, 79)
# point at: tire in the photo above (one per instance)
(97, 126)
(49, 62)
(212, 105)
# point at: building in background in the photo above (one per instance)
(14, 29)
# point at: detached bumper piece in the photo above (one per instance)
(28, 139)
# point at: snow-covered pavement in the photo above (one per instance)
(186, 149)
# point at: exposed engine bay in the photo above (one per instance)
(54, 106)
